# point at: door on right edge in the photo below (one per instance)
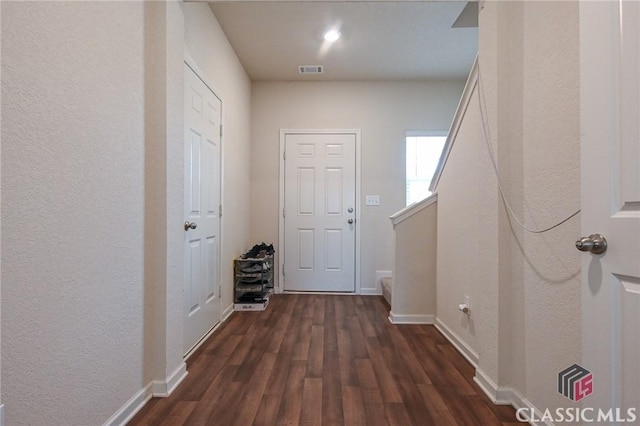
(610, 167)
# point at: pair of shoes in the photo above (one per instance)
(257, 251)
(252, 269)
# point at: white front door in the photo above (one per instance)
(202, 203)
(610, 108)
(319, 212)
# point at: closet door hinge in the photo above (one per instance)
(219, 292)
(221, 130)
(283, 213)
(283, 269)
(220, 211)
(284, 155)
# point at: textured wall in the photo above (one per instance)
(209, 47)
(164, 189)
(1, 405)
(551, 184)
(174, 197)
(72, 209)
(502, 63)
(525, 287)
(467, 240)
(384, 111)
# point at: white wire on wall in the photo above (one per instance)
(487, 139)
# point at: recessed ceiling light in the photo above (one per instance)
(332, 35)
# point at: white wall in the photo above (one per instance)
(550, 263)
(467, 240)
(525, 288)
(164, 195)
(211, 50)
(1, 405)
(384, 111)
(72, 209)
(92, 190)
(414, 272)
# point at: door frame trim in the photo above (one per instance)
(192, 64)
(279, 286)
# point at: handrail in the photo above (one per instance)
(469, 88)
(412, 209)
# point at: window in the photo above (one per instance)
(423, 153)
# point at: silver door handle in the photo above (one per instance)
(595, 243)
(190, 225)
(350, 221)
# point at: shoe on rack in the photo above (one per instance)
(256, 251)
(252, 269)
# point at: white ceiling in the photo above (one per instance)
(381, 40)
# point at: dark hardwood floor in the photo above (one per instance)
(325, 360)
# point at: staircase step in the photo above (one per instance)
(386, 288)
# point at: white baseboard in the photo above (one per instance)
(497, 395)
(130, 408)
(321, 293)
(1, 414)
(227, 313)
(458, 343)
(163, 388)
(520, 402)
(225, 316)
(410, 319)
(156, 388)
(377, 285)
(501, 395)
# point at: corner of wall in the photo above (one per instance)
(164, 199)
(413, 293)
(501, 395)
(226, 313)
(130, 408)
(1, 405)
(155, 388)
(463, 347)
(164, 388)
(375, 288)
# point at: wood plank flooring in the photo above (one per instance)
(325, 360)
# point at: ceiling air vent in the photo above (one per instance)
(310, 69)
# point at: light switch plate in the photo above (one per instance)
(372, 200)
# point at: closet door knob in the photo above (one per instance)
(595, 243)
(190, 225)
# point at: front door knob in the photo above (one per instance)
(190, 225)
(595, 243)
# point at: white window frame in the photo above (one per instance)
(420, 133)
